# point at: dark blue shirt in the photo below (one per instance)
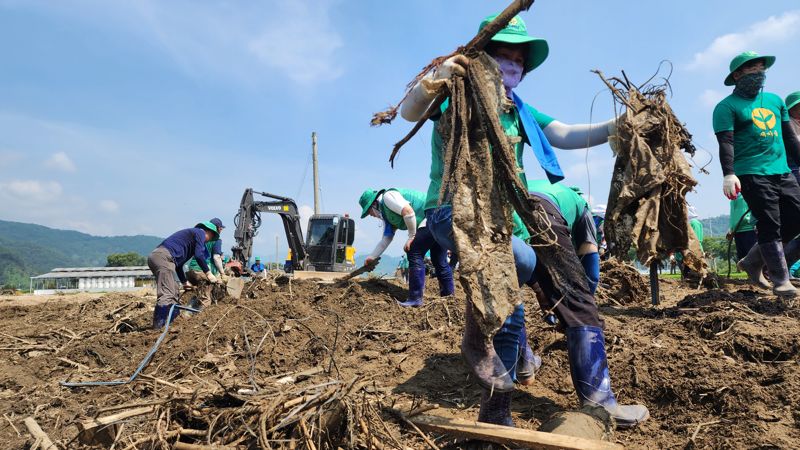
(185, 245)
(257, 267)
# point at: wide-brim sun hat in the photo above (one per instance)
(208, 226)
(744, 58)
(792, 100)
(367, 199)
(516, 32)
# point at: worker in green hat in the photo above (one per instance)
(404, 209)
(167, 261)
(793, 106)
(517, 54)
(195, 274)
(756, 139)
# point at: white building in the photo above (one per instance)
(92, 279)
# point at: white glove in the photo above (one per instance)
(731, 186)
(223, 277)
(613, 139)
(187, 286)
(454, 65)
(211, 277)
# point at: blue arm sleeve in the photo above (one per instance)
(591, 265)
(200, 253)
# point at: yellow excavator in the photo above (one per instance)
(327, 252)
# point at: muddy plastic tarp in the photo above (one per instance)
(647, 206)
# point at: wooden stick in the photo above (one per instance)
(12, 425)
(507, 435)
(89, 424)
(36, 431)
(187, 446)
(73, 363)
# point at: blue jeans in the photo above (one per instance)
(423, 242)
(506, 341)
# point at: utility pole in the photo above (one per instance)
(316, 171)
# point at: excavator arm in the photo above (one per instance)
(248, 220)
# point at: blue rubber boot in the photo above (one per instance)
(160, 315)
(496, 408)
(589, 368)
(416, 287)
(528, 363)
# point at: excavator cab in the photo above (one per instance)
(329, 243)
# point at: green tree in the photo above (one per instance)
(126, 260)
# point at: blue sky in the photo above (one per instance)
(131, 117)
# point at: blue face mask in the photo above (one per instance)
(511, 72)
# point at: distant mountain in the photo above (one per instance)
(28, 250)
(715, 226)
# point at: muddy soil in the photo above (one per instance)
(718, 369)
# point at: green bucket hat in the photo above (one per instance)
(367, 199)
(792, 100)
(517, 33)
(743, 58)
(208, 226)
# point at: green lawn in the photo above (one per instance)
(721, 273)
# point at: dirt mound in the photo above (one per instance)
(622, 284)
(292, 356)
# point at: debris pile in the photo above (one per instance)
(647, 206)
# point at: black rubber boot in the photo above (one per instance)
(480, 356)
(496, 408)
(753, 265)
(778, 272)
(588, 365)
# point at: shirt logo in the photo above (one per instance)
(765, 120)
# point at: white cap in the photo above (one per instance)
(692, 212)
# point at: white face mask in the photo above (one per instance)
(511, 72)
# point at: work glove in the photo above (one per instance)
(454, 65)
(211, 278)
(613, 139)
(187, 286)
(731, 186)
(223, 277)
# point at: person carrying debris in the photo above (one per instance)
(755, 138)
(573, 223)
(257, 267)
(213, 261)
(742, 227)
(168, 259)
(404, 209)
(517, 54)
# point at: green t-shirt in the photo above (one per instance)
(512, 126)
(697, 226)
(417, 201)
(757, 140)
(210, 251)
(738, 209)
(569, 203)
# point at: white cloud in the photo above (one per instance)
(32, 191)
(60, 161)
(710, 97)
(109, 206)
(723, 48)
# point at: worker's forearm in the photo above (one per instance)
(411, 223)
(218, 263)
(383, 244)
(418, 100)
(725, 140)
(577, 136)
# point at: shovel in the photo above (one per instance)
(363, 269)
